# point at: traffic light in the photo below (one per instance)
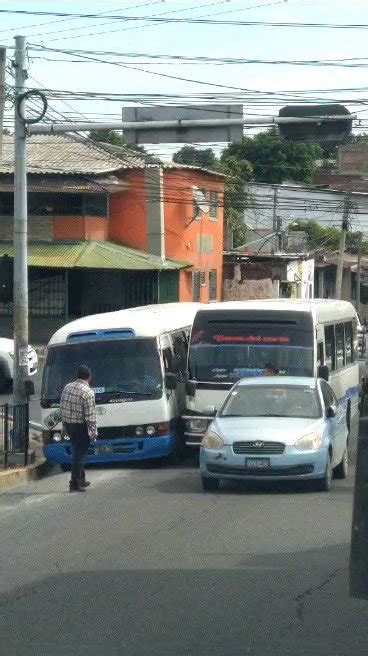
(6, 279)
(332, 131)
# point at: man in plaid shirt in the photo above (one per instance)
(78, 414)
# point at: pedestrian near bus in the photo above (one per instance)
(78, 414)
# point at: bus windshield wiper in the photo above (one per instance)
(126, 392)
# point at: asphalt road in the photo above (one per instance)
(146, 564)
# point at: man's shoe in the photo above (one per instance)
(85, 484)
(75, 488)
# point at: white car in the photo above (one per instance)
(7, 362)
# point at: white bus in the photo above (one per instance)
(235, 340)
(138, 359)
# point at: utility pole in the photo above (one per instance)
(340, 263)
(20, 307)
(359, 273)
(2, 94)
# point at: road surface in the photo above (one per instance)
(146, 564)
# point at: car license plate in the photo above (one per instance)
(257, 463)
(103, 450)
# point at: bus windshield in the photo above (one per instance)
(128, 367)
(229, 351)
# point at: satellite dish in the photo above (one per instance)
(200, 200)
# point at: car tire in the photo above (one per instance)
(210, 484)
(342, 469)
(324, 484)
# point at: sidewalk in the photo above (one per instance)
(18, 475)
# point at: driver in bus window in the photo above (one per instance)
(270, 370)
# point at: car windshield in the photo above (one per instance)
(119, 367)
(272, 401)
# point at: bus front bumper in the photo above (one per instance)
(103, 451)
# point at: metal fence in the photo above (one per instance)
(14, 434)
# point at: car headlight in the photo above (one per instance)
(197, 425)
(212, 441)
(310, 442)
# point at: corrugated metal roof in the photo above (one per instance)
(91, 255)
(73, 155)
(67, 185)
(68, 155)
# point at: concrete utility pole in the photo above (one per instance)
(340, 263)
(359, 273)
(2, 94)
(20, 307)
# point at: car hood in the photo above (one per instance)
(273, 429)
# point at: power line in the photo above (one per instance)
(207, 21)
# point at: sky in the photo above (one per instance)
(236, 41)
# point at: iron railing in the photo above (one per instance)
(14, 433)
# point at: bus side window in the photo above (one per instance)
(340, 345)
(330, 347)
(320, 354)
(349, 347)
(180, 346)
(167, 360)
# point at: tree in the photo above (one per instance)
(328, 239)
(274, 160)
(196, 157)
(235, 196)
(112, 137)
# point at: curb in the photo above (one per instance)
(11, 477)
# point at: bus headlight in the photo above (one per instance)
(139, 431)
(57, 437)
(310, 442)
(197, 425)
(150, 430)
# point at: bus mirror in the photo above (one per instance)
(171, 381)
(323, 372)
(190, 388)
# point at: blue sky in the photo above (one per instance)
(201, 40)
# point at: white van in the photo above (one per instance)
(138, 362)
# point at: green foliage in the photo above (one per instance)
(235, 198)
(328, 239)
(115, 138)
(274, 160)
(196, 157)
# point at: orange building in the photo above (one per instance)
(159, 213)
(109, 227)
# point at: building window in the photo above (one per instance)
(203, 278)
(214, 203)
(196, 286)
(47, 204)
(213, 285)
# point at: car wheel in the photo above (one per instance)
(210, 484)
(342, 469)
(324, 484)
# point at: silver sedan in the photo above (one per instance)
(277, 428)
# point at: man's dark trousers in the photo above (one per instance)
(79, 438)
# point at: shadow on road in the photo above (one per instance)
(290, 603)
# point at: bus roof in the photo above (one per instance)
(145, 321)
(322, 310)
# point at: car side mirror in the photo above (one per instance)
(29, 388)
(331, 412)
(171, 381)
(323, 372)
(190, 388)
(210, 411)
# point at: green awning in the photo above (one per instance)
(91, 255)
